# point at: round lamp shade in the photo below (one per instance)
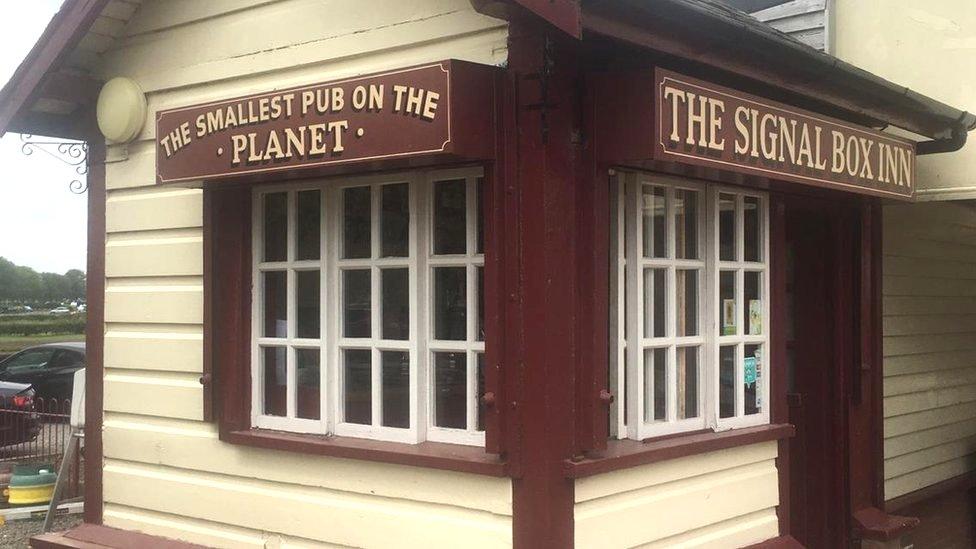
(121, 110)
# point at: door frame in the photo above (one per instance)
(855, 230)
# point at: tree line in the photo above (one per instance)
(25, 285)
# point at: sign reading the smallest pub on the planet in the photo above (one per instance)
(709, 125)
(395, 114)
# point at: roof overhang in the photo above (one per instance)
(46, 96)
(711, 33)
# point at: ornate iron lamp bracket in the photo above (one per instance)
(72, 153)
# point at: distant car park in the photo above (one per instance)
(49, 368)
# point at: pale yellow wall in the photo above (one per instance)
(930, 47)
(720, 499)
(929, 344)
(165, 471)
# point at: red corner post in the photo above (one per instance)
(545, 163)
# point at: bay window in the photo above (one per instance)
(367, 313)
(689, 322)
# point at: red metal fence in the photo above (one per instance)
(35, 431)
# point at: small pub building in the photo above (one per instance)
(445, 273)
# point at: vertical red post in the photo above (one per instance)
(545, 180)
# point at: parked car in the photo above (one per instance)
(61, 311)
(49, 368)
(19, 421)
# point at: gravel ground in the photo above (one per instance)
(17, 533)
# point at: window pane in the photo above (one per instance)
(307, 302)
(395, 303)
(357, 386)
(753, 233)
(450, 390)
(481, 391)
(726, 381)
(450, 303)
(726, 306)
(686, 286)
(654, 206)
(655, 384)
(356, 303)
(752, 312)
(752, 379)
(396, 389)
(307, 370)
(275, 381)
(276, 227)
(480, 329)
(480, 187)
(726, 227)
(356, 222)
(686, 224)
(687, 370)
(450, 219)
(655, 303)
(308, 224)
(275, 304)
(395, 221)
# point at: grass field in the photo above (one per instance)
(12, 344)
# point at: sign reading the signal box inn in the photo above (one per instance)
(708, 125)
(401, 113)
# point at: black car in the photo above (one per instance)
(49, 368)
(19, 421)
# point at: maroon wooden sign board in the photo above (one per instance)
(401, 113)
(708, 125)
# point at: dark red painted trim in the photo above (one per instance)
(960, 483)
(206, 377)
(779, 542)
(779, 412)
(452, 457)
(91, 536)
(544, 67)
(95, 331)
(62, 34)
(621, 454)
(563, 14)
(874, 524)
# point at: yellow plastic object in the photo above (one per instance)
(30, 495)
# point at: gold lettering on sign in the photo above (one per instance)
(778, 141)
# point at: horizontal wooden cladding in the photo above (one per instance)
(357, 520)
(154, 347)
(156, 301)
(134, 165)
(306, 32)
(929, 345)
(157, 16)
(154, 253)
(163, 394)
(189, 445)
(153, 209)
(206, 533)
(728, 497)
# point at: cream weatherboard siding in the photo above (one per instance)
(721, 499)
(929, 344)
(165, 471)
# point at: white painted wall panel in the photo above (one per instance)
(726, 498)
(166, 471)
(929, 344)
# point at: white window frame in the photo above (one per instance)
(627, 280)
(331, 342)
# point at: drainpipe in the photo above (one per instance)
(955, 141)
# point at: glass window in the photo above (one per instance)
(358, 304)
(689, 355)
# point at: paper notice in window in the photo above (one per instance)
(755, 316)
(750, 373)
(728, 317)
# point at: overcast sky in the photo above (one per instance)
(42, 223)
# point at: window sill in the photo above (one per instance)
(623, 454)
(434, 455)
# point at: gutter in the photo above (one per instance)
(953, 143)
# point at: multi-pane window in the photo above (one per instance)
(688, 287)
(367, 307)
